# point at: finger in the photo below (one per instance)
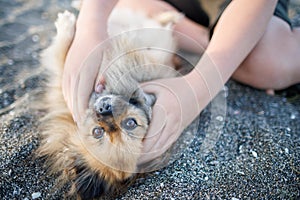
(160, 142)
(159, 148)
(159, 121)
(150, 87)
(84, 85)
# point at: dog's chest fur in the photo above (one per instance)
(140, 49)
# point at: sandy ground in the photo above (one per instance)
(246, 144)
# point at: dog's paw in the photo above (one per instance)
(65, 25)
(169, 18)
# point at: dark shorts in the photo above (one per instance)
(281, 11)
(194, 11)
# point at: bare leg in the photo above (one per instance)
(275, 61)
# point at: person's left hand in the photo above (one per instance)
(175, 108)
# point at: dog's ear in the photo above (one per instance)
(89, 184)
(140, 96)
(150, 99)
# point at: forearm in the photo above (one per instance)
(79, 76)
(241, 26)
(91, 29)
(239, 29)
(191, 36)
(93, 15)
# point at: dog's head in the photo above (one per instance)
(111, 140)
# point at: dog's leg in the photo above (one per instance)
(76, 4)
(53, 58)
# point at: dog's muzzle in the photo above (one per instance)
(105, 106)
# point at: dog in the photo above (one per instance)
(100, 157)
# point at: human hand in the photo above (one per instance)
(84, 59)
(175, 108)
(80, 74)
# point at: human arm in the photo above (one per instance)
(240, 27)
(79, 78)
(91, 29)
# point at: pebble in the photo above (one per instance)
(220, 118)
(293, 116)
(200, 180)
(240, 172)
(286, 150)
(36, 195)
(254, 154)
(10, 62)
(35, 38)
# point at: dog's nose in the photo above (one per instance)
(105, 106)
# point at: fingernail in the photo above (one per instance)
(99, 88)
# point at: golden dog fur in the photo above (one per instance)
(101, 155)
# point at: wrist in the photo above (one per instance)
(95, 12)
(92, 18)
(206, 80)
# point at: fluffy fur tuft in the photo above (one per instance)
(100, 157)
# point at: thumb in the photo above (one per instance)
(157, 125)
(150, 87)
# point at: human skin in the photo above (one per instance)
(180, 100)
(249, 44)
(79, 79)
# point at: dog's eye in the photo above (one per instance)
(129, 124)
(98, 132)
(133, 101)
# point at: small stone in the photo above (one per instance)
(236, 112)
(36, 195)
(261, 112)
(286, 150)
(205, 178)
(240, 172)
(254, 154)
(233, 198)
(219, 118)
(10, 62)
(35, 38)
(293, 116)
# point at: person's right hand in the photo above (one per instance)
(82, 62)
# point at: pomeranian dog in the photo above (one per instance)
(100, 157)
